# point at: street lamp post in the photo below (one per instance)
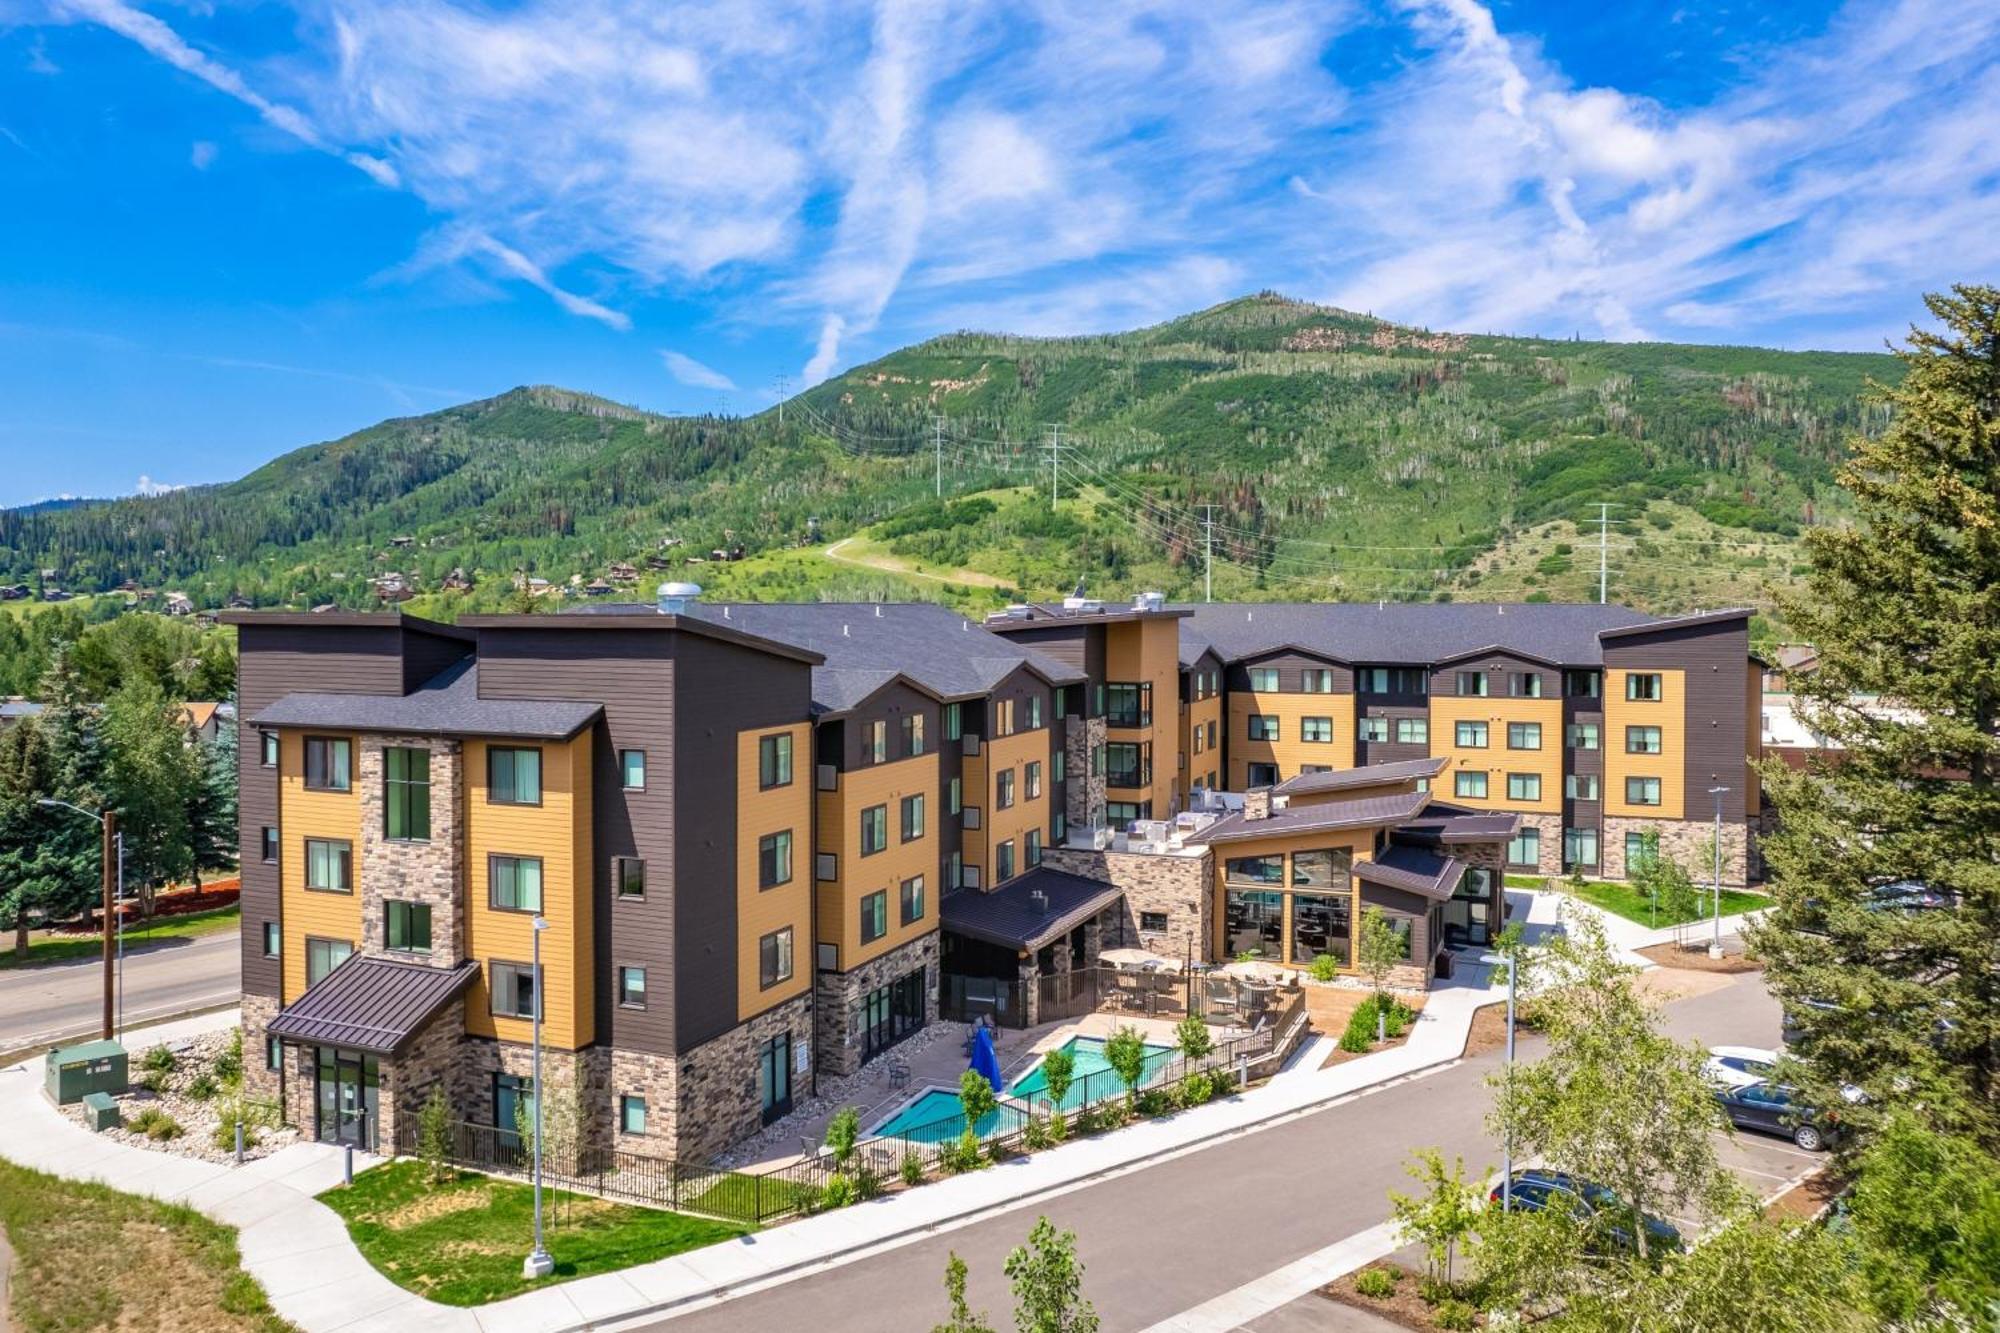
(1715, 939)
(1507, 1148)
(539, 1263)
(111, 854)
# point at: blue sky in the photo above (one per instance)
(230, 229)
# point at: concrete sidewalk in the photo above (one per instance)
(1628, 937)
(299, 1249)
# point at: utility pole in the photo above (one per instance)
(1603, 551)
(1055, 463)
(113, 855)
(937, 446)
(784, 392)
(1208, 554)
(1715, 912)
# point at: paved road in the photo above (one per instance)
(46, 1004)
(1167, 1238)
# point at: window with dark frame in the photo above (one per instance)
(774, 760)
(629, 874)
(1470, 735)
(1524, 735)
(1583, 735)
(631, 987)
(322, 956)
(774, 958)
(1153, 921)
(273, 939)
(1643, 686)
(1642, 740)
(513, 775)
(1374, 730)
(406, 927)
(268, 740)
(1525, 849)
(1524, 786)
(631, 1114)
(774, 859)
(329, 763)
(274, 1053)
(913, 734)
(406, 793)
(1033, 841)
(1003, 862)
(1525, 684)
(1263, 680)
(1469, 784)
(875, 742)
(1032, 777)
(874, 916)
(874, 829)
(1472, 684)
(1003, 789)
(632, 769)
(913, 817)
(514, 883)
(329, 865)
(513, 990)
(1642, 791)
(270, 843)
(1318, 730)
(1580, 786)
(1413, 731)
(1260, 727)
(954, 724)
(911, 895)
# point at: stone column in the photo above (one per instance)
(431, 871)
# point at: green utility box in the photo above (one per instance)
(100, 1112)
(74, 1072)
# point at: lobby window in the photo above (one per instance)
(1128, 705)
(322, 956)
(1469, 784)
(1373, 729)
(273, 939)
(1316, 680)
(514, 883)
(406, 793)
(1642, 791)
(1642, 740)
(1525, 849)
(407, 926)
(1470, 735)
(1644, 686)
(913, 734)
(513, 776)
(1525, 684)
(1580, 786)
(513, 991)
(270, 843)
(1033, 839)
(874, 916)
(269, 741)
(632, 987)
(1580, 847)
(1583, 735)
(913, 817)
(1472, 684)
(1003, 862)
(774, 859)
(1264, 680)
(329, 763)
(874, 829)
(774, 761)
(632, 769)
(1413, 731)
(330, 865)
(1003, 789)
(1316, 729)
(912, 900)
(774, 958)
(1524, 786)
(875, 742)
(954, 723)
(1032, 779)
(631, 1114)
(629, 874)
(1582, 684)
(1524, 735)
(1259, 727)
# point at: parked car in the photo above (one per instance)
(1741, 1066)
(1610, 1216)
(1769, 1108)
(1908, 895)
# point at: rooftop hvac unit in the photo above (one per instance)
(1149, 601)
(1101, 838)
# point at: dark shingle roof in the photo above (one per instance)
(448, 704)
(370, 1003)
(1412, 632)
(1443, 823)
(1414, 869)
(1371, 775)
(1012, 918)
(1313, 818)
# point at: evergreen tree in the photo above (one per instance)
(48, 858)
(1904, 610)
(212, 803)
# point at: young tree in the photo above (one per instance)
(1048, 1283)
(961, 1319)
(1379, 950)
(1058, 1069)
(1191, 1034)
(150, 774)
(434, 1135)
(1442, 1218)
(1666, 885)
(843, 1131)
(1903, 608)
(1125, 1052)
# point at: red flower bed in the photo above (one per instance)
(174, 902)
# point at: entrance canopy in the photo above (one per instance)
(372, 1004)
(1029, 912)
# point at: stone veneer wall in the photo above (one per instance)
(1029, 971)
(258, 1082)
(1179, 886)
(837, 997)
(564, 1073)
(717, 1101)
(429, 1061)
(1688, 841)
(430, 872)
(1083, 789)
(1549, 855)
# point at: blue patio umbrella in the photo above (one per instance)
(984, 1058)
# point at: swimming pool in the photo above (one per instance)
(933, 1116)
(1093, 1080)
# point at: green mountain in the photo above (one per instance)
(1334, 454)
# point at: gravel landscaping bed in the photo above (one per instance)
(200, 1065)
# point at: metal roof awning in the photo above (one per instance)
(1413, 870)
(372, 1004)
(1040, 906)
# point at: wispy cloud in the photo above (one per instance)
(202, 155)
(693, 373)
(147, 486)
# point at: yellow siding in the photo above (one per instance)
(1496, 760)
(840, 833)
(1009, 753)
(1669, 714)
(1360, 844)
(1148, 650)
(557, 831)
(1288, 752)
(306, 814)
(760, 911)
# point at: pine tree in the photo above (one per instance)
(48, 860)
(212, 803)
(1904, 610)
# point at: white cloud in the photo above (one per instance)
(202, 155)
(693, 373)
(147, 486)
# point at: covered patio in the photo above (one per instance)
(1025, 953)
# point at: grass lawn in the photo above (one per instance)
(739, 1195)
(1526, 881)
(462, 1242)
(70, 947)
(1633, 906)
(88, 1257)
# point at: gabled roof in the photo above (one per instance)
(1370, 775)
(1368, 812)
(448, 704)
(1027, 912)
(370, 1003)
(1413, 869)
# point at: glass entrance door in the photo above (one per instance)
(345, 1097)
(774, 1076)
(1468, 913)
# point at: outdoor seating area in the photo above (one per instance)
(1134, 982)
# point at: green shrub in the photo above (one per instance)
(153, 1081)
(843, 1131)
(912, 1167)
(1058, 1126)
(1377, 1284)
(963, 1155)
(1035, 1134)
(158, 1060)
(867, 1182)
(224, 1137)
(838, 1192)
(1089, 1120)
(229, 1064)
(156, 1124)
(1325, 967)
(1197, 1088)
(1360, 1033)
(202, 1087)
(1452, 1314)
(1225, 1082)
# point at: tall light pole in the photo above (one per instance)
(112, 855)
(539, 1262)
(1715, 941)
(1507, 1149)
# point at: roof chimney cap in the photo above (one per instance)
(674, 597)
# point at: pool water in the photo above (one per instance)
(1093, 1080)
(934, 1117)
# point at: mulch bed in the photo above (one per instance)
(177, 902)
(1805, 1200)
(1697, 960)
(1405, 1307)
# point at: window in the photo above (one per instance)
(774, 859)
(270, 843)
(1583, 735)
(774, 957)
(514, 991)
(874, 829)
(1643, 686)
(955, 796)
(1469, 784)
(513, 777)
(1374, 729)
(1128, 764)
(954, 872)
(330, 865)
(1637, 853)
(632, 769)
(1033, 838)
(1033, 775)
(513, 1105)
(514, 883)
(1003, 789)
(1524, 786)
(1580, 846)
(1129, 705)
(1525, 684)
(1580, 787)
(1034, 712)
(774, 761)
(1262, 728)
(912, 899)
(1197, 746)
(1264, 680)
(1003, 717)
(1582, 684)
(273, 939)
(874, 916)
(875, 742)
(329, 763)
(632, 987)
(274, 1053)
(406, 793)
(269, 740)
(629, 874)
(913, 817)
(1058, 826)
(1642, 791)
(1260, 775)
(1056, 766)
(1003, 862)
(1211, 735)
(1525, 849)
(954, 725)
(1470, 735)
(631, 1114)
(1316, 680)
(1117, 814)
(1319, 729)
(1472, 683)
(913, 734)
(1642, 740)
(1153, 921)
(407, 926)
(322, 956)
(1413, 731)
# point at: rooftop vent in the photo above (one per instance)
(674, 597)
(1149, 601)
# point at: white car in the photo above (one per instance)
(1741, 1066)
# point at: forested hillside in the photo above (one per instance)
(1341, 455)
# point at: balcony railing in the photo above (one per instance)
(1138, 775)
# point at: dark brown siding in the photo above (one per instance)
(1719, 720)
(426, 654)
(1291, 671)
(1390, 751)
(1078, 646)
(273, 661)
(1021, 685)
(1500, 668)
(1402, 903)
(890, 704)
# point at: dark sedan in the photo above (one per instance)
(1770, 1109)
(1587, 1201)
